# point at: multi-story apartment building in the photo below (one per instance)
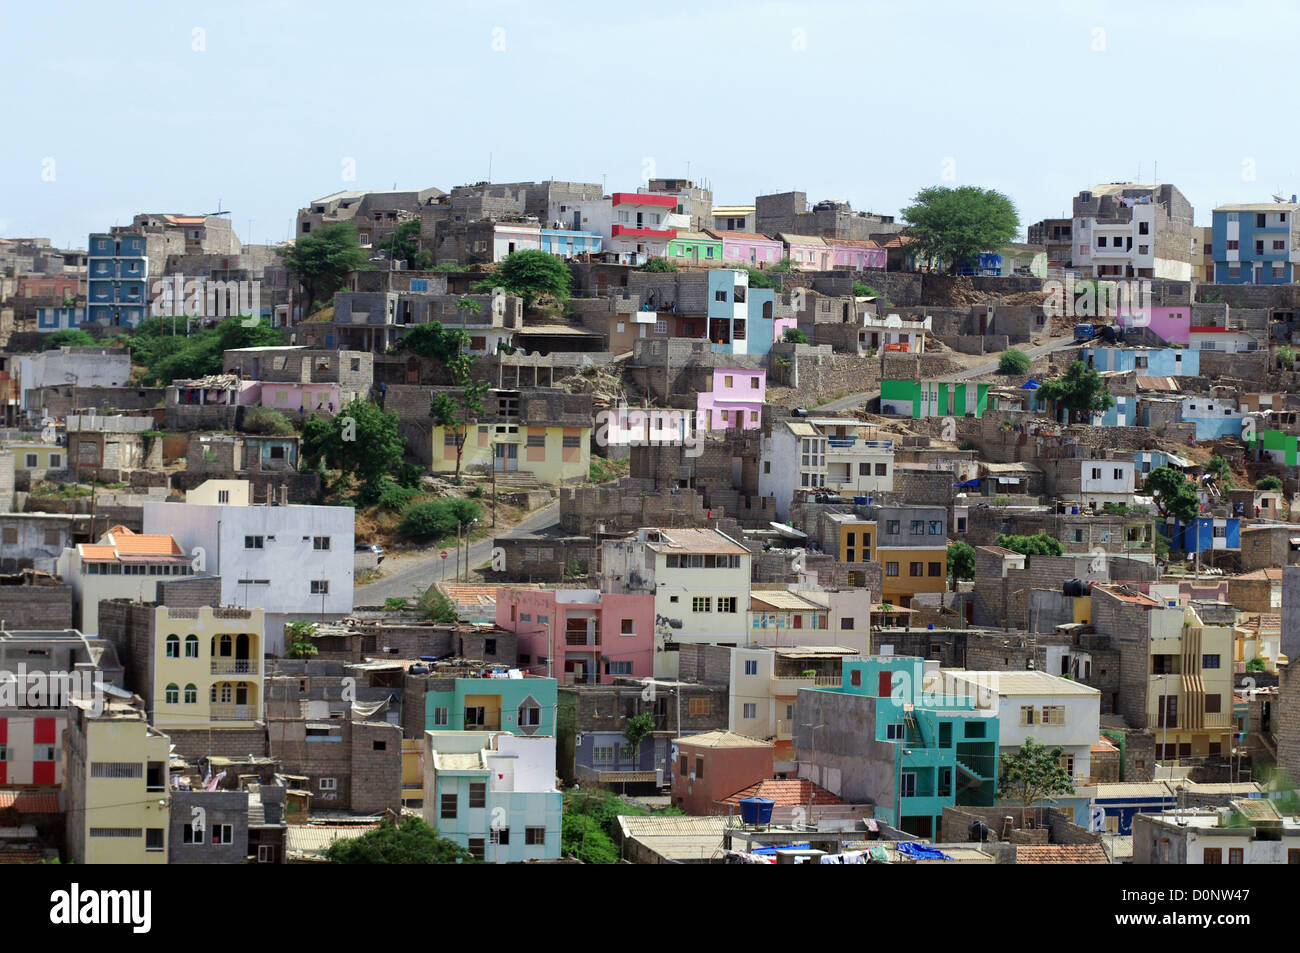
(117, 280)
(493, 794)
(118, 803)
(581, 636)
(294, 562)
(1057, 235)
(910, 543)
(881, 738)
(1122, 230)
(1256, 244)
(838, 454)
(518, 706)
(700, 580)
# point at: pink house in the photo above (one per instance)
(807, 252)
(851, 253)
(736, 399)
(580, 636)
(293, 397)
(748, 247)
(1171, 324)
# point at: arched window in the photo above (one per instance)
(212, 695)
(191, 646)
(227, 646)
(227, 696)
(173, 647)
(172, 694)
(191, 694)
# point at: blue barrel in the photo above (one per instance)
(756, 810)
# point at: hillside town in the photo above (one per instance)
(802, 536)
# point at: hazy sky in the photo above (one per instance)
(115, 109)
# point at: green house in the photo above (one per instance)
(520, 706)
(933, 398)
(695, 248)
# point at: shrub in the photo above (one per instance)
(1012, 361)
(1269, 482)
(794, 336)
(395, 604)
(437, 518)
(265, 420)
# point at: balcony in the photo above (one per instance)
(628, 231)
(784, 730)
(232, 666)
(790, 684)
(233, 713)
(841, 443)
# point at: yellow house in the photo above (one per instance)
(207, 667)
(907, 569)
(1189, 693)
(550, 454)
(38, 456)
(115, 784)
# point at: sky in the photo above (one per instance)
(261, 107)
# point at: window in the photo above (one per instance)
(440, 717)
(534, 836)
(476, 848)
(936, 527)
(223, 834)
(320, 542)
(115, 769)
(191, 646)
(536, 440)
(699, 706)
(602, 754)
(172, 694)
(320, 587)
(172, 648)
(448, 807)
(936, 569)
(750, 710)
(571, 443)
(1209, 661)
(189, 835)
(918, 527)
(894, 732)
(882, 469)
(500, 835)
(916, 569)
(530, 716)
(1236, 855)
(30, 460)
(1053, 715)
(891, 569)
(191, 694)
(477, 794)
(727, 604)
(1026, 715)
(701, 603)
(751, 667)
(1213, 704)
(846, 623)
(328, 784)
(153, 839)
(628, 627)
(892, 527)
(254, 542)
(699, 769)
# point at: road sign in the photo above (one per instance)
(443, 554)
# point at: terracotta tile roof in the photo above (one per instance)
(853, 242)
(786, 793)
(1061, 854)
(30, 802)
(145, 544)
(1125, 594)
(744, 236)
(1272, 575)
(19, 856)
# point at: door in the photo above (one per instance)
(507, 457)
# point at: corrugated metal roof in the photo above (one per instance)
(1025, 683)
(781, 599)
(672, 826)
(317, 838)
(1109, 791)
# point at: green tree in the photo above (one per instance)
(1040, 544)
(1013, 361)
(320, 262)
(1174, 494)
(1256, 665)
(1080, 391)
(1034, 773)
(404, 243)
(961, 561)
(581, 837)
(432, 340)
(662, 265)
(434, 519)
(69, 337)
(408, 841)
(435, 606)
(299, 636)
(361, 442)
(454, 410)
(636, 728)
(954, 225)
(1268, 482)
(530, 274)
(782, 267)
(794, 336)
(760, 279)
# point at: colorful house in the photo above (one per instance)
(714, 764)
(37, 456)
(741, 319)
(1171, 323)
(1213, 418)
(520, 706)
(918, 399)
(583, 633)
(1255, 244)
(117, 276)
(695, 248)
(735, 399)
(855, 254)
(1146, 361)
(806, 252)
(1209, 337)
(749, 248)
(1276, 446)
(1202, 534)
(493, 794)
(59, 319)
(640, 227)
(913, 751)
(206, 665)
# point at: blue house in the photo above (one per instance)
(1213, 418)
(1147, 361)
(1148, 460)
(1117, 803)
(1123, 413)
(59, 319)
(1252, 244)
(1202, 534)
(567, 242)
(117, 280)
(741, 319)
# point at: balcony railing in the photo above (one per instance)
(784, 730)
(231, 666)
(233, 712)
(841, 443)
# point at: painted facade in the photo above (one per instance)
(520, 706)
(919, 399)
(582, 636)
(1255, 244)
(736, 399)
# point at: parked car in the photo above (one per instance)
(372, 548)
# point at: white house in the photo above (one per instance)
(1102, 481)
(1051, 710)
(73, 366)
(830, 453)
(120, 565)
(700, 579)
(293, 562)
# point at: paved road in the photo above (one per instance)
(857, 400)
(418, 570)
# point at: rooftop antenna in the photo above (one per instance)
(489, 178)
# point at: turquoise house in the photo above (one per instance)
(912, 751)
(519, 706)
